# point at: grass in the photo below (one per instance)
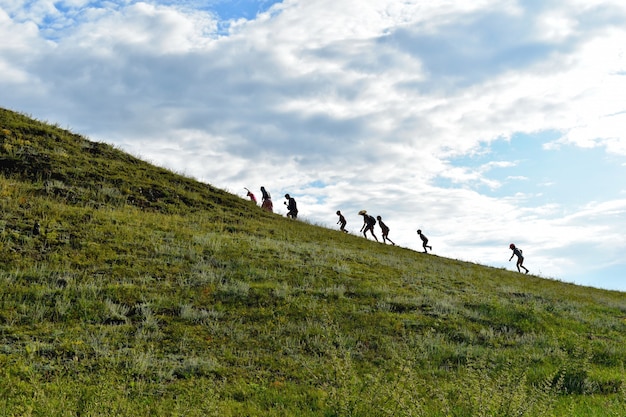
(147, 293)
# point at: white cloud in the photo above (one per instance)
(21, 36)
(146, 29)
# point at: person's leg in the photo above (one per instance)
(521, 263)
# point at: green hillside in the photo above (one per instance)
(146, 293)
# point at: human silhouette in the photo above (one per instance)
(424, 241)
(368, 224)
(266, 200)
(292, 208)
(385, 230)
(252, 197)
(36, 229)
(520, 258)
(342, 221)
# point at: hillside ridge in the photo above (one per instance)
(147, 293)
(37, 151)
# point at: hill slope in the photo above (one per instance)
(147, 293)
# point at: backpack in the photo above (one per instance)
(371, 220)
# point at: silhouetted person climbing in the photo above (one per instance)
(424, 241)
(252, 197)
(520, 258)
(292, 208)
(266, 200)
(384, 229)
(368, 224)
(342, 221)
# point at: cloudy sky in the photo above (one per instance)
(481, 122)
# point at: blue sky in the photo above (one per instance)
(239, 9)
(565, 176)
(481, 123)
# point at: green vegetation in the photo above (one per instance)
(147, 293)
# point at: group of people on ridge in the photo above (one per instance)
(368, 224)
(267, 205)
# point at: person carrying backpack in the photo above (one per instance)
(368, 224)
(266, 200)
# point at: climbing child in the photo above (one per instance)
(292, 208)
(368, 224)
(384, 229)
(520, 258)
(424, 241)
(342, 221)
(252, 197)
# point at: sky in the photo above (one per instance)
(481, 123)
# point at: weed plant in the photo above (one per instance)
(147, 293)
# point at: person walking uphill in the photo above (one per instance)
(252, 197)
(342, 221)
(292, 208)
(368, 224)
(520, 258)
(385, 230)
(424, 241)
(266, 201)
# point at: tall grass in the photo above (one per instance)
(149, 294)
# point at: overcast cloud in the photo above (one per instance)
(482, 123)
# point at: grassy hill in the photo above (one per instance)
(145, 293)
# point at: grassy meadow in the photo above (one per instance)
(146, 293)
